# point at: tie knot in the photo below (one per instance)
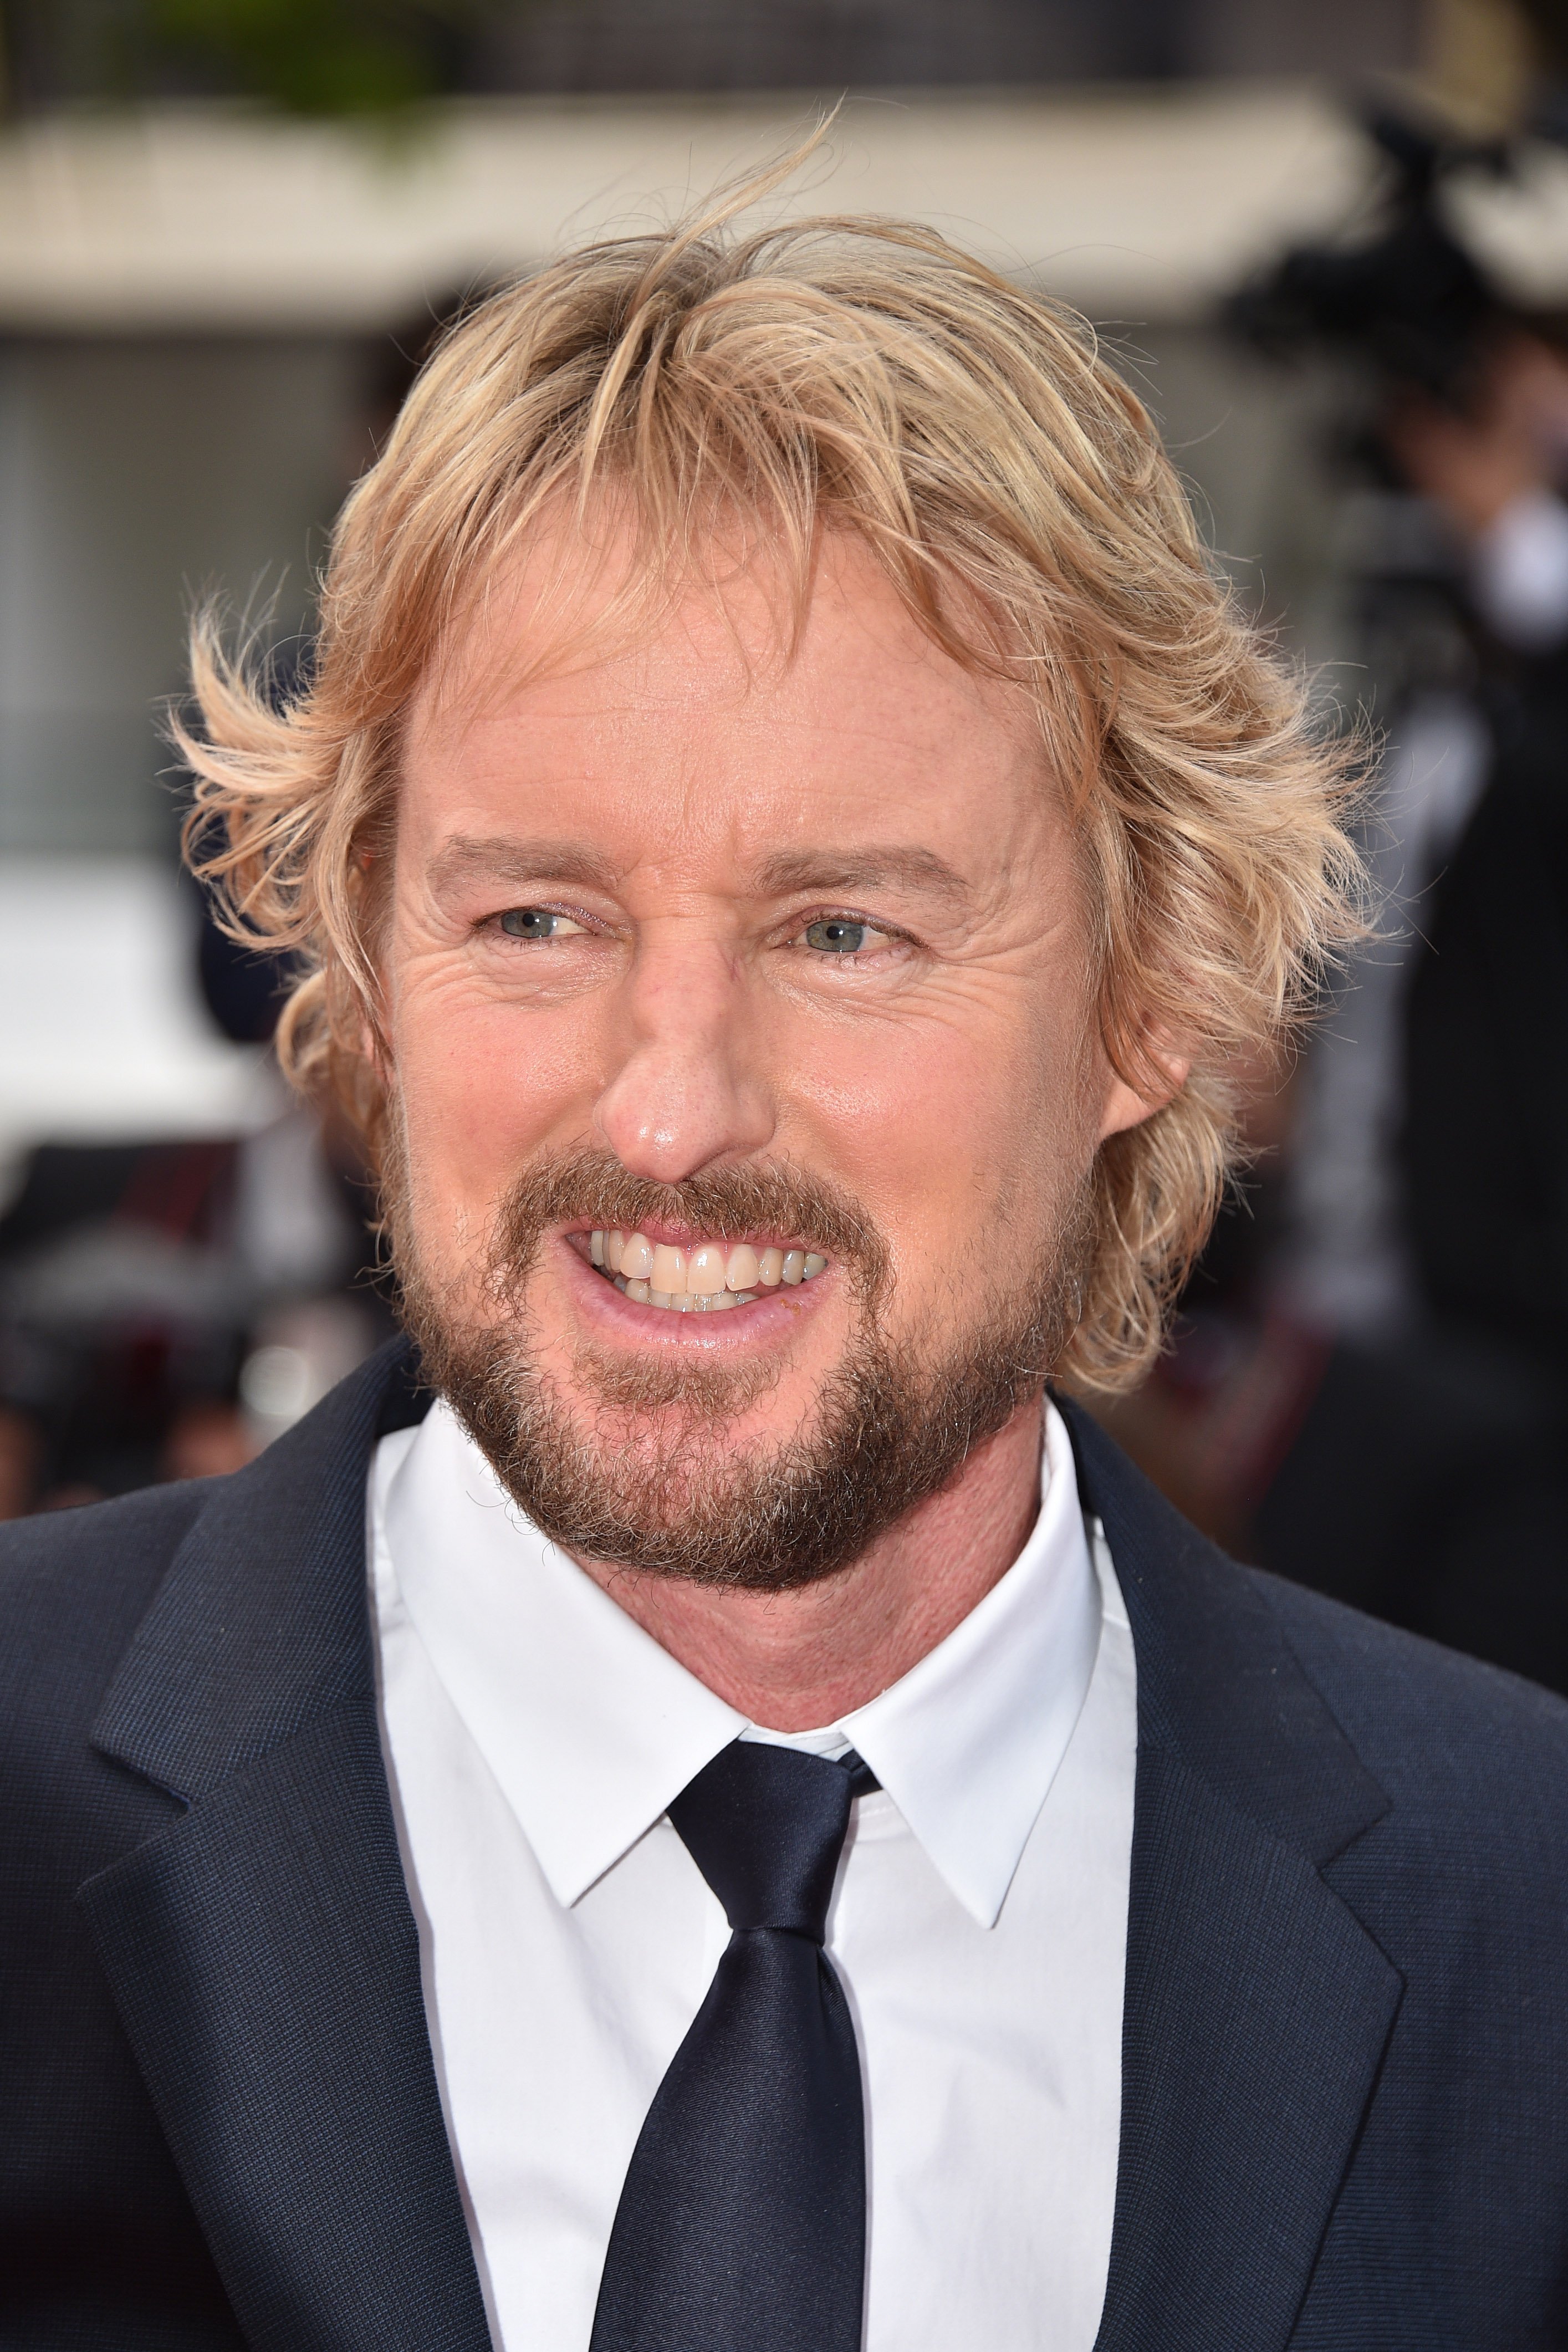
(765, 1826)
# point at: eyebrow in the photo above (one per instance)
(503, 858)
(872, 868)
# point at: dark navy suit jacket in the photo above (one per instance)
(1346, 2080)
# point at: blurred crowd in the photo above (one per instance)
(166, 1309)
(1368, 1390)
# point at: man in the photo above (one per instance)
(693, 1808)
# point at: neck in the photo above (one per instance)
(793, 1661)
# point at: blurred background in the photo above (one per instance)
(1328, 241)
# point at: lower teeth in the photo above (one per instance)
(684, 1302)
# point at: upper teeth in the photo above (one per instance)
(711, 1273)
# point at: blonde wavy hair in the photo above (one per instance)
(863, 376)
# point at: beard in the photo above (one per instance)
(634, 1463)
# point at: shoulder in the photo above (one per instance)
(74, 1585)
(1455, 1743)
(114, 1541)
(1268, 1688)
(1414, 1712)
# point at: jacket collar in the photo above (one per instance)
(1218, 1684)
(1257, 2008)
(262, 1952)
(261, 1624)
(266, 1964)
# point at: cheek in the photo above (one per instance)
(481, 1084)
(963, 1134)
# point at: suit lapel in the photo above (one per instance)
(262, 1951)
(1257, 2008)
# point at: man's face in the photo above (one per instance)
(736, 953)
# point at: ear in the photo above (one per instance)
(1124, 1105)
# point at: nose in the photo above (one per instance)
(686, 1092)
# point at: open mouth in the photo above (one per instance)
(704, 1278)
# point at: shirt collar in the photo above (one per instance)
(592, 1728)
(968, 1742)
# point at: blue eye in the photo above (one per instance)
(536, 923)
(836, 937)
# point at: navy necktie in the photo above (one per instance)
(741, 2226)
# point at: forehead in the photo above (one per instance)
(723, 711)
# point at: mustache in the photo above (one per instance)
(770, 1196)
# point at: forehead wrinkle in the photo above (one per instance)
(503, 858)
(910, 868)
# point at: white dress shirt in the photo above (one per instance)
(534, 1735)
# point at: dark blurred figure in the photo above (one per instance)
(120, 1311)
(1420, 1461)
(1487, 1115)
(165, 1308)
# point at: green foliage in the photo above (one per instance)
(318, 57)
(309, 57)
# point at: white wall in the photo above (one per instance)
(133, 475)
(102, 1037)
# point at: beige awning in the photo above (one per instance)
(1134, 203)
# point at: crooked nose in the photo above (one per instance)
(686, 1093)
